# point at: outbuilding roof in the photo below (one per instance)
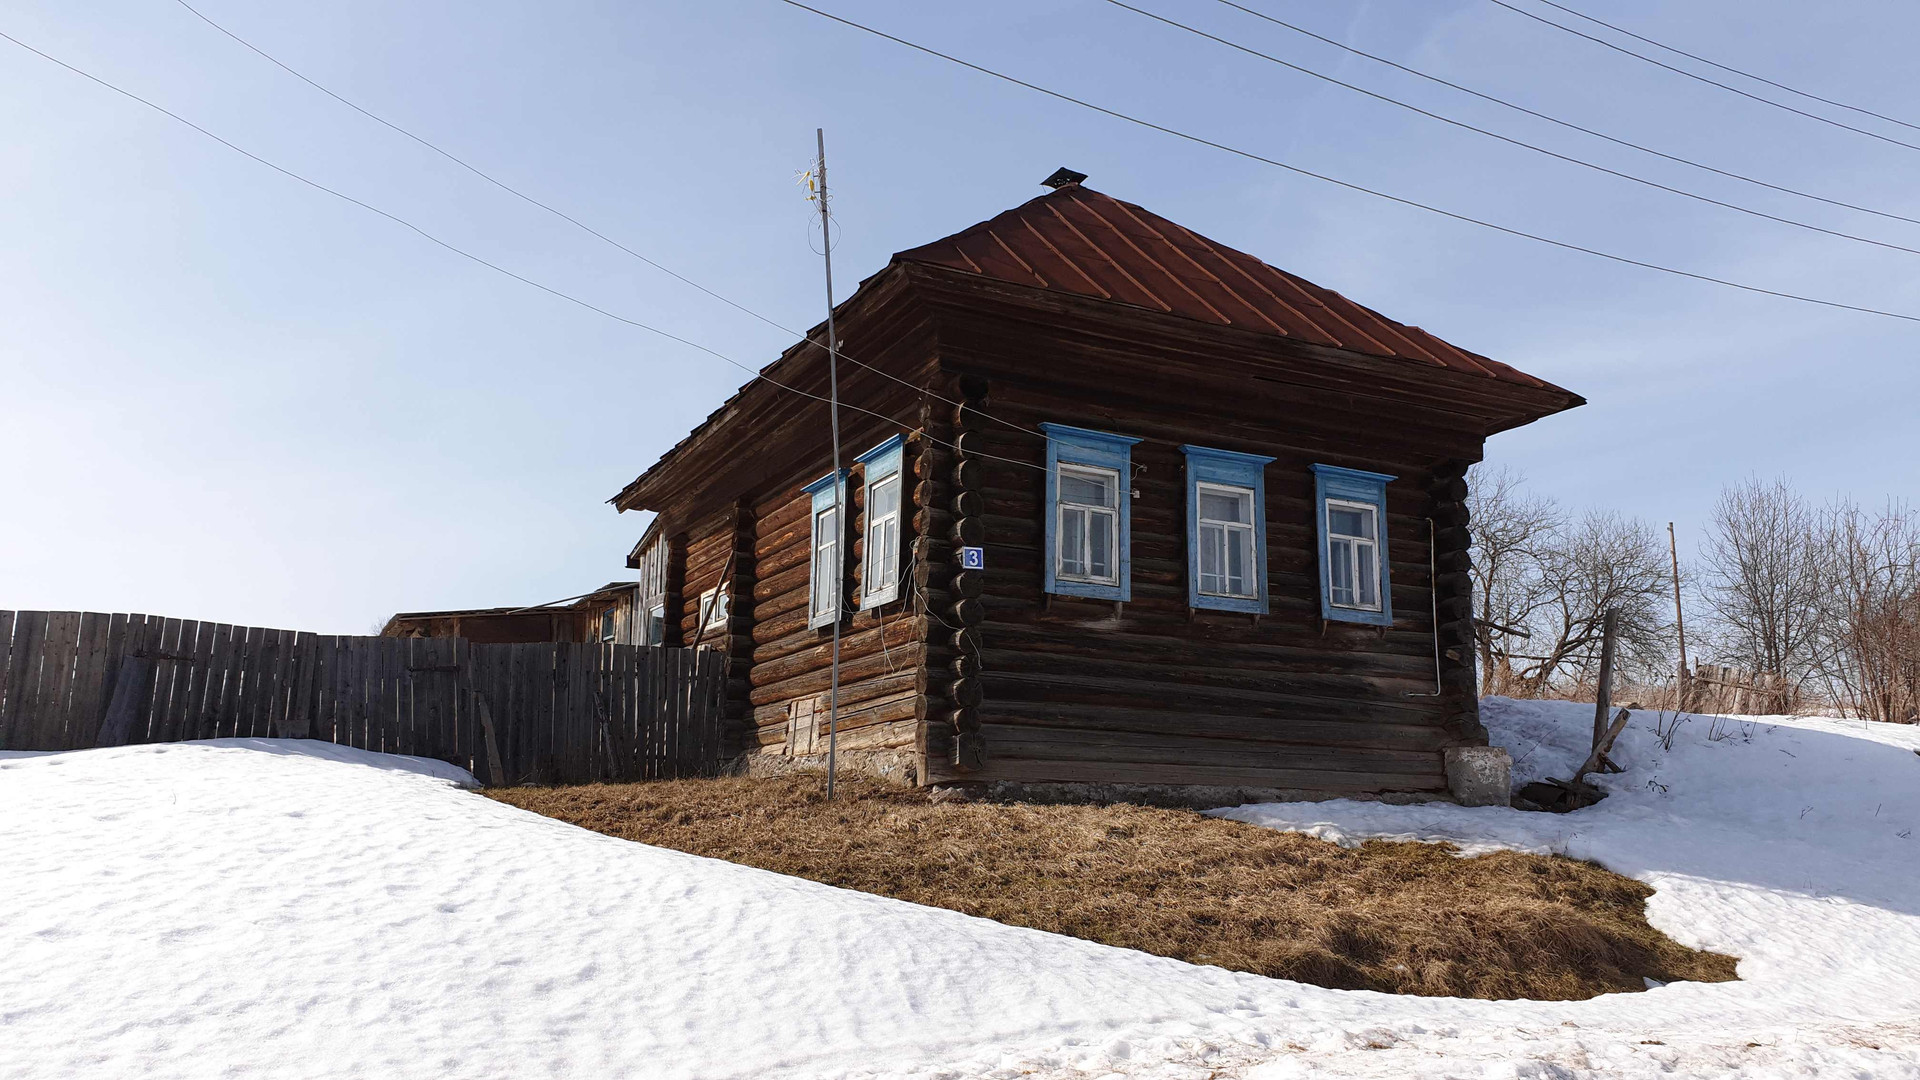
(1078, 240)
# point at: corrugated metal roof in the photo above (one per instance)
(1078, 240)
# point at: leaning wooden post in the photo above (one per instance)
(1603, 695)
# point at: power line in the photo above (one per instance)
(1566, 123)
(465, 254)
(570, 219)
(1701, 78)
(1250, 51)
(1251, 156)
(1734, 70)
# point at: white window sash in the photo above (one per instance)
(880, 579)
(1064, 509)
(1228, 531)
(1363, 555)
(824, 603)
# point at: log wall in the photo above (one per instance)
(1155, 691)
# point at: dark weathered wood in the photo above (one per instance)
(6, 676)
(57, 678)
(1603, 686)
(87, 707)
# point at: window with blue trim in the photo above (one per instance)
(825, 575)
(1352, 513)
(1226, 529)
(880, 569)
(1089, 512)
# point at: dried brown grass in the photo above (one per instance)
(1400, 918)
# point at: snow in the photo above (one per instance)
(291, 909)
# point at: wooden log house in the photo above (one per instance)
(1218, 511)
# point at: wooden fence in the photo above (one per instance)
(510, 714)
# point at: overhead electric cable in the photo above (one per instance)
(1734, 70)
(570, 219)
(1349, 185)
(1568, 124)
(1556, 155)
(1700, 78)
(465, 254)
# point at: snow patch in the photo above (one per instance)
(294, 909)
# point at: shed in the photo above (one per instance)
(604, 615)
(1123, 506)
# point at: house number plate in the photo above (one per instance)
(973, 558)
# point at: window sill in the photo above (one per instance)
(1252, 605)
(1090, 590)
(1355, 615)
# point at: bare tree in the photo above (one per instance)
(1765, 578)
(1872, 612)
(1602, 561)
(1512, 529)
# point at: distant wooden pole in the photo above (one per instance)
(1679, 616)
(1603, 696)
(839, 488)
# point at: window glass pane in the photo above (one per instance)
(1238, 542)
(1226, 506)
(883, 498)
(1350, 521)
(826, 561)
(1086, 489)
(1100, 544)
(1340, 572)
(1213, 540)
(1073, 541)
(1367, 564)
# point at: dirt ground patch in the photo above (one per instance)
(1399, 918)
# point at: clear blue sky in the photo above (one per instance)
(224, 395)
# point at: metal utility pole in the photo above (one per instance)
(839, 485)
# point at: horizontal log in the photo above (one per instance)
(1094, 745)
(999, 766)
(1431, 736)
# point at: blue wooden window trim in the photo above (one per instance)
(1227, 468)
(881, 462)
(1100, 449)
(1352, 485)
(822, 491)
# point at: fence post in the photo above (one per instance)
(1603, 694)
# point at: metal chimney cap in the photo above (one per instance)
(1063, 177)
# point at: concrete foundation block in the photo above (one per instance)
(1479, 775)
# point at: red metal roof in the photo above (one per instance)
(1078, 240)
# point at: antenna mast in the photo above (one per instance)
(839, 482)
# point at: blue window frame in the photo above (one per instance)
(826, 562)
(880, 566)
(1226, 529)
(1351, 511)
(1089, 513)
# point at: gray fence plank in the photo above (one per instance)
(560, 712)
(23, 663)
